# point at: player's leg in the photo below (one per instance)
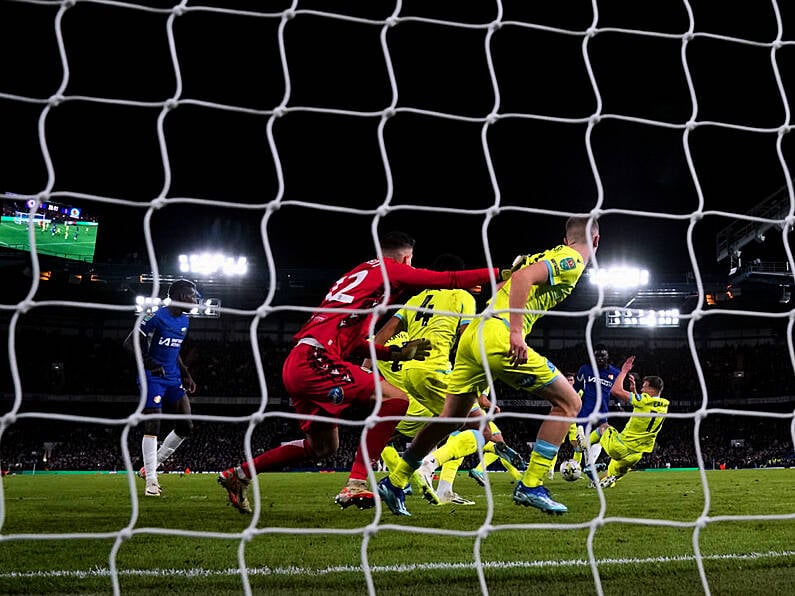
(507, 461)
(456, 406)
(357, 490)
(449, 456)
(554, 387)
(621, 458)
(182, 429)
(154, 399)
(595, 450)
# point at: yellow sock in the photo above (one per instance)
(577, 456)
(449, 470)
(540, 462)
(457, 446)
(595, 436)
(515, 474)
(401, 474)
(390, 457)
(488, 459)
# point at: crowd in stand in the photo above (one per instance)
(84, 366)
(732, 441)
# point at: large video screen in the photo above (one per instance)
(62, 230)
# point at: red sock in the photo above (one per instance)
(278, 457)
(377, 437)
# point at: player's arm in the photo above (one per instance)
(617, 390)
(187, 380)
(485, 403)
(521, 282)
(393, 326)
(407, 275)
(150, 364)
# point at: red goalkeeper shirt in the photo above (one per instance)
(363, 288)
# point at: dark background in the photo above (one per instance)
(281, 178)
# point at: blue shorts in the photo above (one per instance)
(162, 391)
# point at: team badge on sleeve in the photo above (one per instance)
(567, 264)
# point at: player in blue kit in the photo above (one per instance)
(585, 384)
(168, 381)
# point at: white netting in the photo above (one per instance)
(507, 104)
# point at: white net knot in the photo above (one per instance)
(279, 111)
(25, 306)
(697, 216)
(125, 534)
(264, 310)
(171, 104)
(594, 119)
(55, 100)
(789, 221)
(691, 125)
(68, 3)
(289, 14)
(389, 113)
(484, 531)
(7, 420)
(178, 10)
(158, 203)
(382, 211)
(495, 25)
(492, 118)
(248, 534)
(591, 32)
(392, 21)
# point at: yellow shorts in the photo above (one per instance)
(613, 444)
(427, 386)
(469, 374)
(409, 428)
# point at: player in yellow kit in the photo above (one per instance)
(540, 282)
(439, 316)
(626, 448)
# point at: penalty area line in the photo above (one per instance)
(407, 568)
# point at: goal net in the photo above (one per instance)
(296, 132)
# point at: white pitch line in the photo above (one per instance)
(408, 568)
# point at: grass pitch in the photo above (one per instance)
(302, 543)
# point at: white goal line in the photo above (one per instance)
(411, 568)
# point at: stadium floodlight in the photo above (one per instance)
(208, 308)
(620, 277)
(635, 318)
(207, 264)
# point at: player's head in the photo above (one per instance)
(601, 355)
(570, 377)
(183, 290)
(652, 385)
(398, 246)
(577, 232)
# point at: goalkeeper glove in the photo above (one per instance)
(518, 261)
(416, 349)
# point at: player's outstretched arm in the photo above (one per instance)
(618, 390)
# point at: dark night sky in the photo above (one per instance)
(329, 159)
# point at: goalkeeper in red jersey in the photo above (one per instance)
(322, 380)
